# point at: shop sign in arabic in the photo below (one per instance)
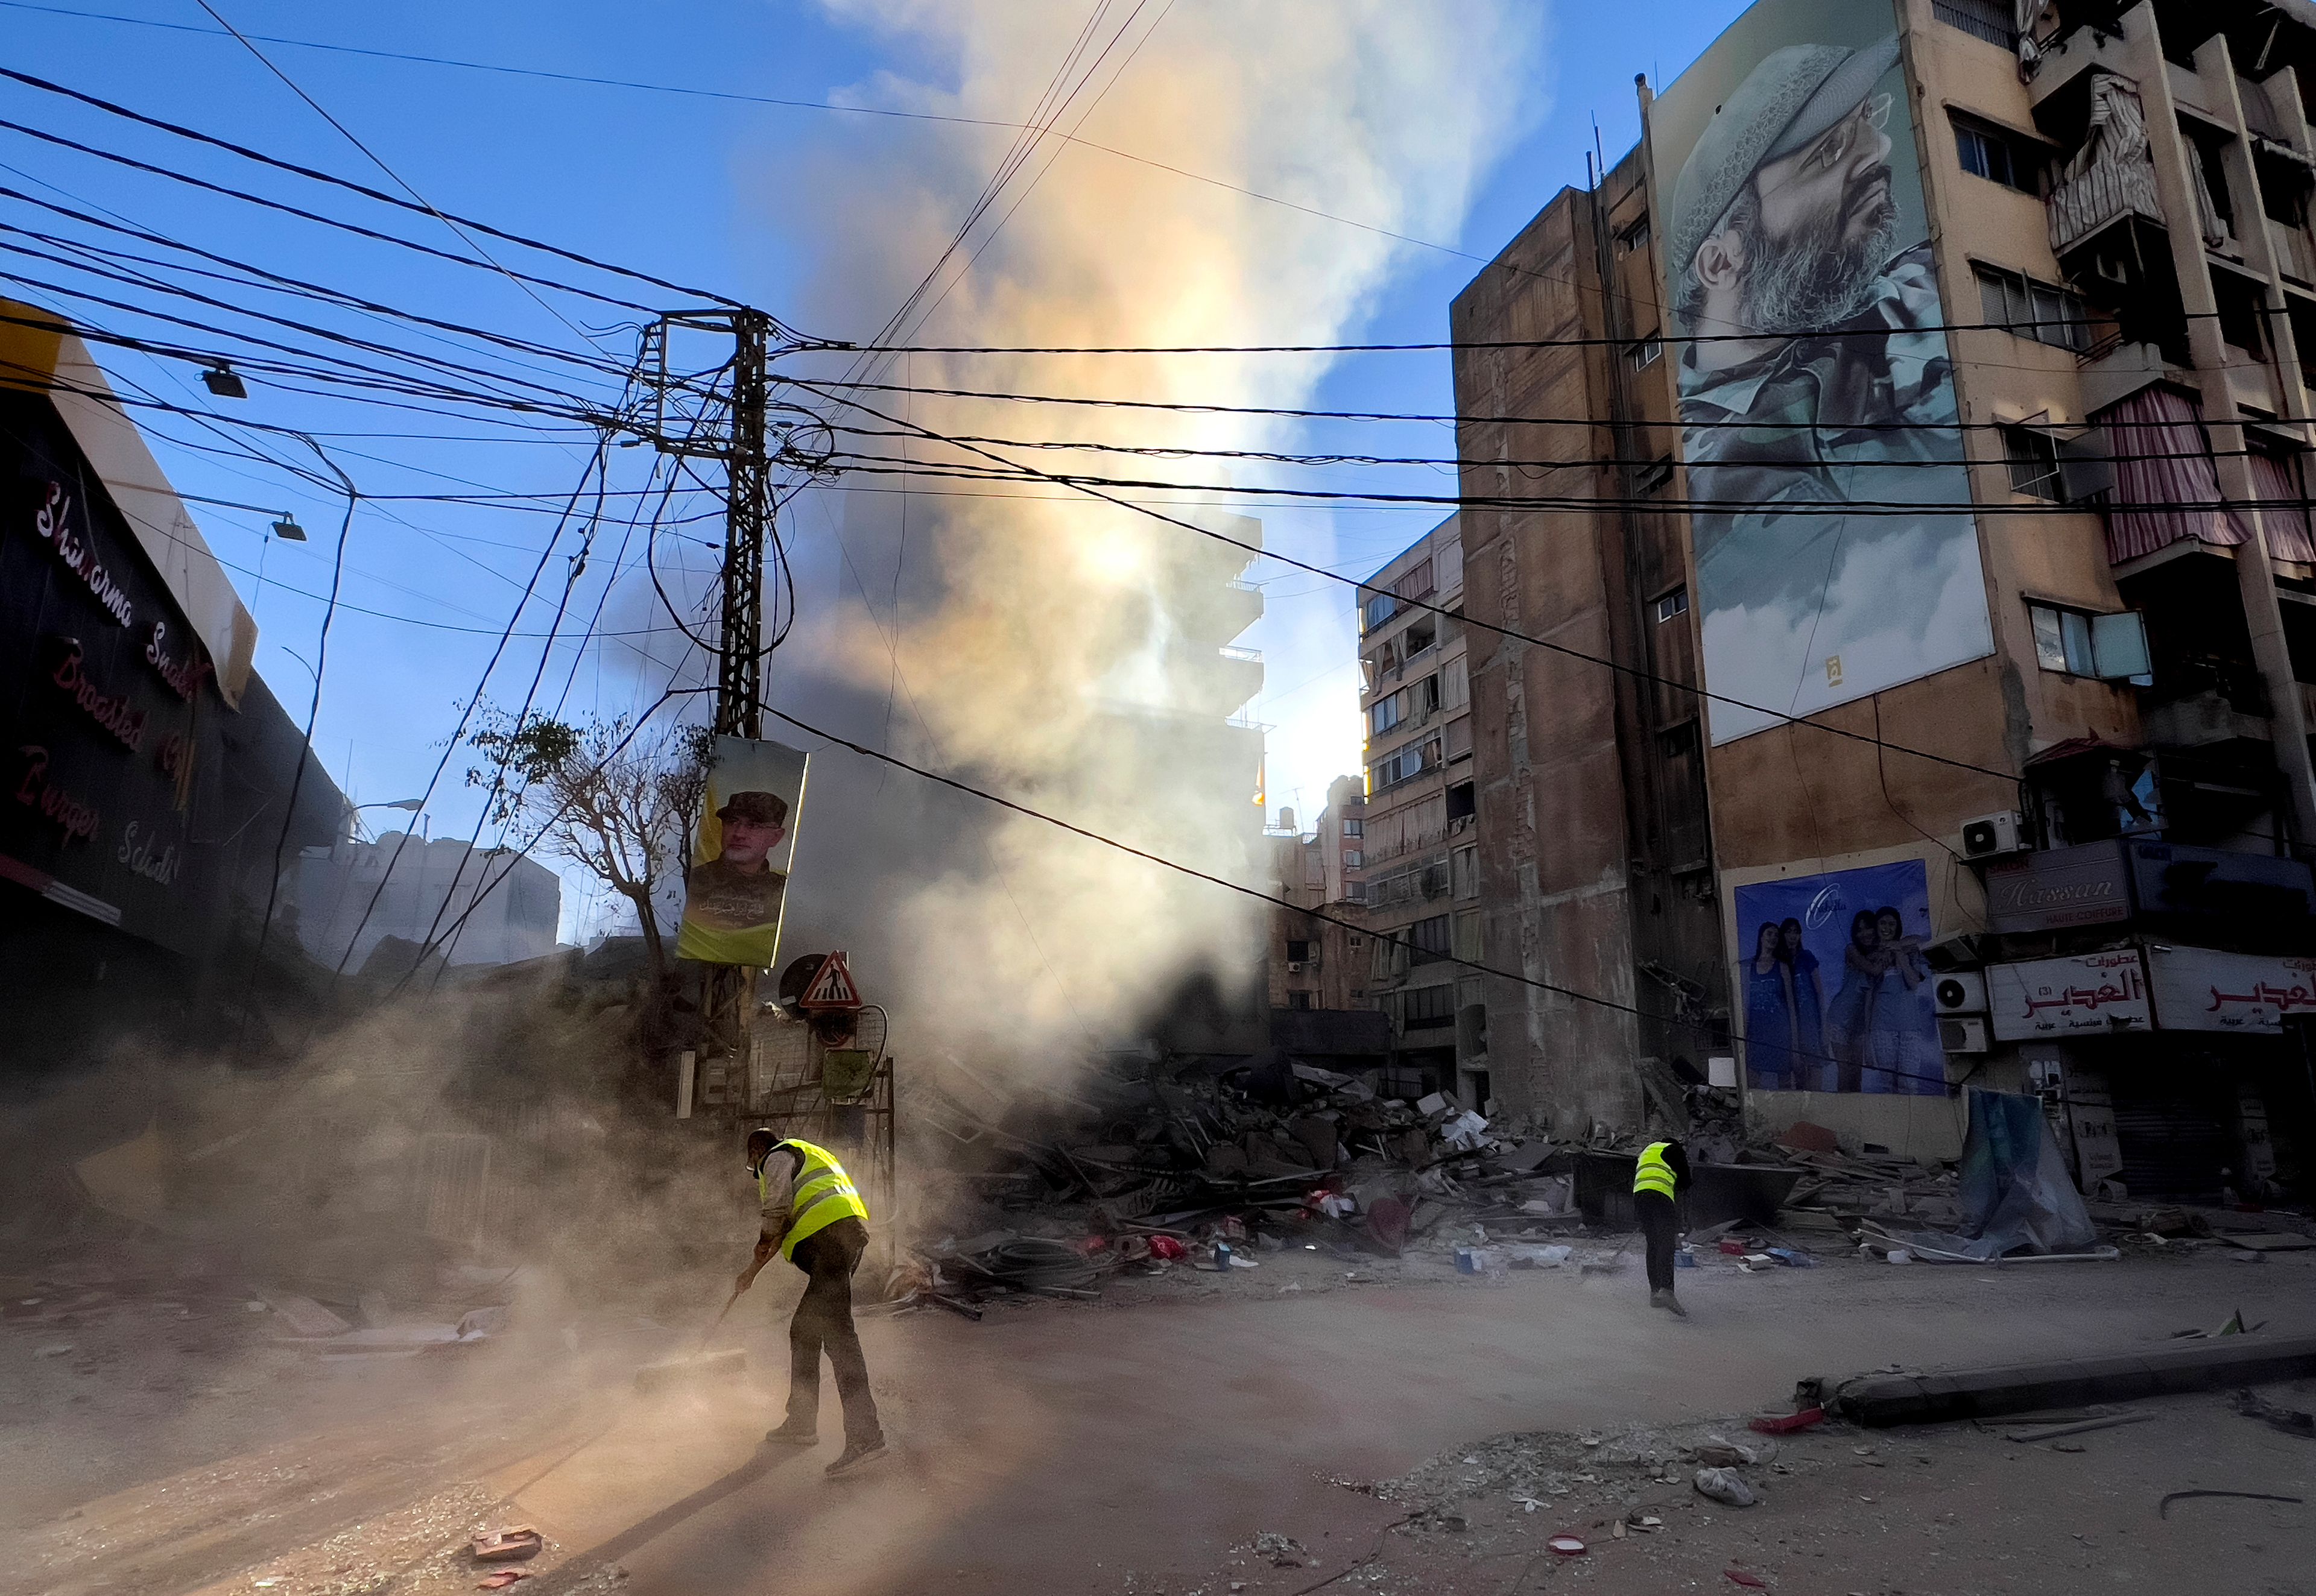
(2057, 888)
(2085, 992)
(2202, 990)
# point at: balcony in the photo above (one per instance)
(2108, 189)
(1989, 19)
(2115, 368)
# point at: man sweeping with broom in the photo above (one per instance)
(816, 1220)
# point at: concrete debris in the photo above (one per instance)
(1283, 1551)
(303, 1315)
(2290, 1420)
(516, 1543)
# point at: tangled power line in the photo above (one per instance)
(140, 292)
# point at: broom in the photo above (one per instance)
(700, 1364)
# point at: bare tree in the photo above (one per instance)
(621, 806)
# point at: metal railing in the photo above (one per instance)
(1989, 19)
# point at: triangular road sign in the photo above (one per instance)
(831, 987)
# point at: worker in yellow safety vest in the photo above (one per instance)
(813, 1215)
(1660, 1176)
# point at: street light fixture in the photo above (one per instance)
(288, 529)
(222, 380)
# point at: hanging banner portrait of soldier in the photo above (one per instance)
(737, 884)
(1816, 389)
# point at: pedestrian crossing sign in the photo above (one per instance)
(831, 987)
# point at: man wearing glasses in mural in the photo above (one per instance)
(1818, 375)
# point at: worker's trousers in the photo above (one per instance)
(1660, 1224)
(823, 1318)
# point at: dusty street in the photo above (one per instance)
(1116, 1448)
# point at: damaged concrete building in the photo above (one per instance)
(1418, 871)
(1906, 682)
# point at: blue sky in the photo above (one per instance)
(687, 187)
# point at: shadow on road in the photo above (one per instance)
(763, 1464)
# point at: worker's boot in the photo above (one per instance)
(857, 1454)
(793, 1434)
(1663, 1296)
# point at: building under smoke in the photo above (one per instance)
(478, 906)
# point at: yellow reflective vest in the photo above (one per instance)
(824, 1194)
(1653, 1173)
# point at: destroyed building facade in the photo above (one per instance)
(1984, 757)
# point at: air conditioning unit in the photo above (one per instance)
(1295, 966)
(1965, 1034)
(1988, 835)
(1959, 992)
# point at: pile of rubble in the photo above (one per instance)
(1142, 1167)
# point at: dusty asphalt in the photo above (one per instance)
(1129, 1449)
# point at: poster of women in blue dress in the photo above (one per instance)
(1837, 991)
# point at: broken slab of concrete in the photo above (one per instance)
(1883, 1400)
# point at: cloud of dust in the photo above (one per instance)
(1055, 650)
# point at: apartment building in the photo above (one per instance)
(1950, 435)
(1418, 869)
(1594, 860)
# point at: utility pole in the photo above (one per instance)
(729, 1000)
(748, 521)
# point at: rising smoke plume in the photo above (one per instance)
(1050, 647)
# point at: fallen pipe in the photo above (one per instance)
(1880, 1401)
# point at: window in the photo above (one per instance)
(1353, 858)
(1422, 635)
(1990, 19)
(1297, 952)
(2034, 458)
(1641, 352)
(1428, 1008)
(1390, 958)
(2062, 640)
(2242, 307)
(1416, 583)
(1398, 767)
(1467, 935)
(1675, 603)
(1355, 826)
(1463, 802)
(1633, 237)
(2109, 647)
(1459, 738)
(1382, 716)
(2031, 309)
(1465, 862)
(1423, 696)
(1298, 999)
(1380, 608)
(1429, 939)
(1994, 154)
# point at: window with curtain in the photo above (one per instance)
(2278, 479)
(2165, 485)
